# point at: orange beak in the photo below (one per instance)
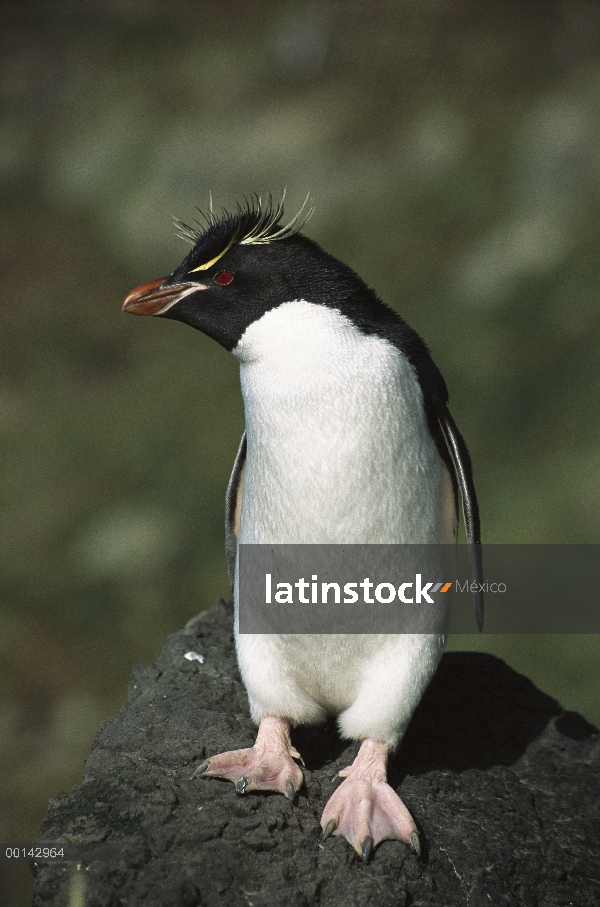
(149, 299)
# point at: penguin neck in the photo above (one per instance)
(305, 353)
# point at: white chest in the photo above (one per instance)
(339, 450)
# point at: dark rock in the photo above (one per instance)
(503, 783)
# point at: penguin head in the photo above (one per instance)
(245, 264)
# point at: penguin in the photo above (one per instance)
(348, 440)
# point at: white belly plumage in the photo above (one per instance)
(339, 451)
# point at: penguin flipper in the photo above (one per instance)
(233, 508)
(464, 473)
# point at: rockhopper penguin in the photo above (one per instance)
(348, 440)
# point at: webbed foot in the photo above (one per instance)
(268, 765)
(365, 809)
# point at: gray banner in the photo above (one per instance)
(417, 589)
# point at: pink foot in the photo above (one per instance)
(365, 809)
(268, 765)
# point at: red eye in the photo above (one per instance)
(223, 277)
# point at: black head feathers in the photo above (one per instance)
(254, 222)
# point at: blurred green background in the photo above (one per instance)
(452, 150)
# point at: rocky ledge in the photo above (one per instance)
(503, 783)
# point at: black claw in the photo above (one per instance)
(289, 788)
(201, 769)
(329, 829)
(367, 849)
(415, 843)
(241, 784)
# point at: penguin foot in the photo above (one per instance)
(365, 809)
(268, 765)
